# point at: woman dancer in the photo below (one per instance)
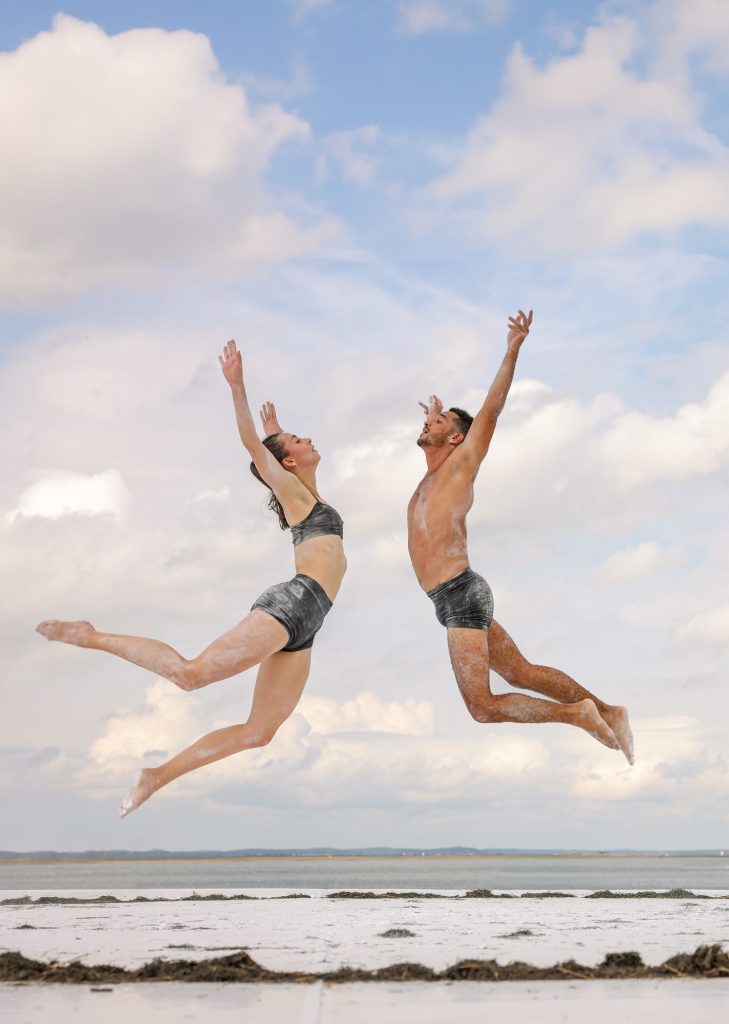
(277, 633)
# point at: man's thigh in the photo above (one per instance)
(469, 651)
(505, 657)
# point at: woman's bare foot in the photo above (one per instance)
(587, 717)
(144, 785)
(76, 633)
(617, 719)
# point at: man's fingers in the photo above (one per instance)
(221, 360)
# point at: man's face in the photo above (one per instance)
(438, 430)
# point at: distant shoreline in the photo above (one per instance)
(122, 857)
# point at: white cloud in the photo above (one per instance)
(64, 494)
(141, 157)
(167, 722)
(670, 751)
(303, 7)
(706, 629)
(693, 442)
(326, 754)
(419, 16)
(699, 29)
(635, 563)
(589, 152)
(348, 149)
(367, 712)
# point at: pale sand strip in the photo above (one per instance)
(632, 1002)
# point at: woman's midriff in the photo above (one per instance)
(323, 559)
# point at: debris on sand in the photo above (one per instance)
(355, 894)
(704, 962)
(671, 894)
(359, 894)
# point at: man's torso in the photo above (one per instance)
(437, 538)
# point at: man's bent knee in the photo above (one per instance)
(484, 713)
(517, 673)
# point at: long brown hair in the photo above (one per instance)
(277, 448)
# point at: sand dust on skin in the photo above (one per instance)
(143, 786)
(617, 719)
(76, 633)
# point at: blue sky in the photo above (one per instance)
(361, 194)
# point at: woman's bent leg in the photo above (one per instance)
(280, 683)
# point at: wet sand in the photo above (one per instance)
(327, 940)
(328, 931)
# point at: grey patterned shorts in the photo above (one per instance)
(300, 605)
(465, 601)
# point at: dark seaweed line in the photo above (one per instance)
(704, 962)
(356, 894)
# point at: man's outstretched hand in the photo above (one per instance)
(269, 419)
(232, 364)
(518, 329)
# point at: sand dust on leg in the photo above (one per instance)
(587, 717)
(617, 719)
(76, 633)
(143, 786)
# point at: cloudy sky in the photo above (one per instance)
(360, 194)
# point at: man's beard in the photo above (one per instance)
(428, 441)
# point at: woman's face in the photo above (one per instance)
(301, 450)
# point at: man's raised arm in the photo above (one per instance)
(478, 439)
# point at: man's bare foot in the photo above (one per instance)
(143, 786)
(587, 717)
(76, 633)
(617, 719)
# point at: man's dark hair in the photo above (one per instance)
(463, 419)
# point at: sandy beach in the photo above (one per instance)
(322, 932)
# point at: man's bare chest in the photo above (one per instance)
(436, 499)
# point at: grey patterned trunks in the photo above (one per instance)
(465, 601)
(300, 605)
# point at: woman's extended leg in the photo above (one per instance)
(469, 651)
(511, 665)
(253, 640)
(280, 683)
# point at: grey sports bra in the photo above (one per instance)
(322, 521)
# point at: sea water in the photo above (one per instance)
(537, 872)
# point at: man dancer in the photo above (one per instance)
(455, 444)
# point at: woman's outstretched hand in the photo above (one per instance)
(269, 419)
(232, 364)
